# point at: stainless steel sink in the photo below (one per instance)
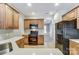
(5, 48)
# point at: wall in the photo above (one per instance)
(21, 24)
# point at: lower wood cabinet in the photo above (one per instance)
(74, 48)
(27, 23)
(41, 40)
(20, 43)
(24, 41)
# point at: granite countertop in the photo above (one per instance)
(11, 39)
(75, 40)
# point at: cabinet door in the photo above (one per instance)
(74, 48)
(70, 15)
(40, 24)
(26, 24)
(34, 21)
(26, 39)
(16, 20)
(40, 40)
(9, 18)
(2, 16)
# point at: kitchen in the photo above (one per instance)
(21, 33)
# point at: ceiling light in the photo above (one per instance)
(56, 4)
(33, 13)
(50, 13)
(29, 4)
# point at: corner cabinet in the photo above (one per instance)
(72, 15)
(9, 17)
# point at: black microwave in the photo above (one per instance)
(33, 26)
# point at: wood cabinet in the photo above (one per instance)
(70, 15)
(41, 40)
(20, 43)
(27, 23)
(78, 18)
(9, 18)
(40, 23)
(16, 19)
(74, 48)
(25, 39)
(2, 15)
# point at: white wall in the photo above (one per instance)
(21, 24)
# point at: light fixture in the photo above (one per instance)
(33, 13)
(56, 4)
(50, 13)
(29, 4)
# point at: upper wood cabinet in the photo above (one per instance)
(27, 23)
(2, 15)
(9, 17)
(70, 15)
(40, 23)
(16, 20)
(78, 18)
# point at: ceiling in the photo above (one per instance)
(42, 9)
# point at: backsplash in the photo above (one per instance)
(40, 31)
(6, 34)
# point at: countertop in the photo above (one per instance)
(11, 39)
(28, 51)
(75, 40)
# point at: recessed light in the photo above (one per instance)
(29, 4)
(50, 13)
(33, 13)
(56, 4)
